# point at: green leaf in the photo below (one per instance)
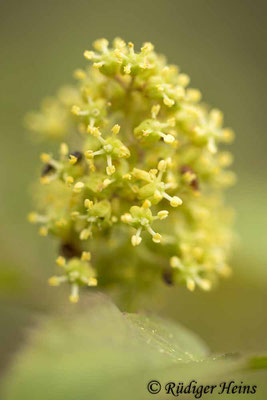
(97, 352)
(172, 339)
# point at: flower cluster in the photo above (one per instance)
(140, 183)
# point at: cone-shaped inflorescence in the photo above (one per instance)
(138, 178)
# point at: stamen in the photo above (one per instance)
(127, 218)
(77, 111)
(33, 217)
(204, 284)
(98, 152)
(74, 296)
(85, 234)
(79, 74)
(61, 261)
(212, 146)
(163, 214)
(110, 168)
(175, 201)
(167, 101)
(101, 45)
(89, 55)
(115, 129)
(146, 204)
(92, 282)
(64, 149)
(155, 110)
(69, 180)
(175, 262)
(57, 280)
(156, 237)
(127, 69)
(98, 64)
(43, 231)
(158, 195)
(136, 239)
(78, 187)
(45, 158)
(190, 284)
(73, 160)
(147, 47)
(88, 204)
(86, 256)
(168, 139)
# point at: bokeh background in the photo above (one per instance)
(221, 44)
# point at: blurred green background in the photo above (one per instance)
(221, 44)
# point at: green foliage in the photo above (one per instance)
(104, 353)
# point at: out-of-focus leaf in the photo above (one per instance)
(103, 353)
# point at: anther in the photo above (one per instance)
(78, 187)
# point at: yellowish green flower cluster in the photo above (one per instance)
(140, 184)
